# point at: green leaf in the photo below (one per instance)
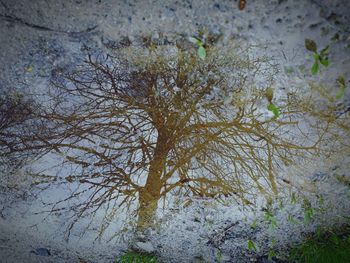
(324, 62)
(324, 52)
(270, 107)
(273, 223)
(340, 94)
(293, 198)
(271, 219)
(314, 68)
(201, 52)
(271, 254)
(308, 215)
(274, 109)
(254, 224)
(342, 87)
(310, 45)
(218, 256)
(196, 41)
(273, 242)
(251, 245)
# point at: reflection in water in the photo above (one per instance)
(159, 121)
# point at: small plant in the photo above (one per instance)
(308, 211)
(201, 50)
(271, 220)
(342, 87)
(293, 198)
(254, 224)
(308, 215)
(218, 256)
(326, 247)
(319, 57)
(271, 107)
(251, 245)
(134, 257)
(272, 253)
(292, 220)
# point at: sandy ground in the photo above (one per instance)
(38, 36)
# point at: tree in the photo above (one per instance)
(143, 123)
(15, 109)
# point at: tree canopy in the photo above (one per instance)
(141, 124)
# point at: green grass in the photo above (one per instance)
(134, 257)
(326, 247)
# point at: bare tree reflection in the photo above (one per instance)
(145, 123)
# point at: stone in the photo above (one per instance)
(225, 258)
(41, 252)
(144, 247)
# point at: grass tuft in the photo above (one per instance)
(327, 247)
(134, 257)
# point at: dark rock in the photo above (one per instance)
(196, 219)
(335, 167)
(41, 252)
(332, 17)
(315, 25)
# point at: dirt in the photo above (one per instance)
(38, 37)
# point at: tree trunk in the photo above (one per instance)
(149, 195)
(148, 204)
